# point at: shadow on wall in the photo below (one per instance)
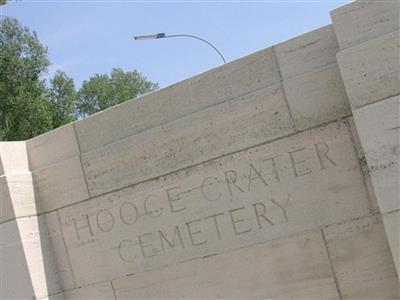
(47, 270)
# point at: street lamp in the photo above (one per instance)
(164, 36)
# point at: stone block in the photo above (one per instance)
(362, 260)
(60, 184)
(226, 128)
(361, 21)
(308, 52)
(291, 268)
(317, 97)
(14, 158)
(379, 131)
(52, 147)
(237, 78)
(289, 186)
(392, 227)
(17, 196)
(132, 117)
(371, 71)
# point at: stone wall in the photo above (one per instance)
(369, 59)
(273, 176)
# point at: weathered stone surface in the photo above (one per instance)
(290, 268)
(308, 52)
(60, 184)
(96, 291)
(317, 97)
(228, 127)
(52, 147)
(39, 256)
(59, 296)
(289, 186)
(371, 71)
(101, 290)
(133, 117)
(362, 260)
(363, 165)
(237, 78)
(392, 228)
(213, 87)
(7, 209)
(27, 260)
(381, 143)
(17, 196)
(14, 158)
(361, 21)
(16, 188)
(56, 238)
(13, 264)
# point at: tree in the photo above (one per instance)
(24, 109)
(102, 91)
(64, 98)
(28, 107)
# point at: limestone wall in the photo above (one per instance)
(369, 60)
(273, 176)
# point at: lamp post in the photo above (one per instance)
(164, 36)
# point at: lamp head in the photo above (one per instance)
(149, 37)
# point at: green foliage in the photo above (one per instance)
(29, 108)
(2, 2)
(64, 98)
(102, 91)
(24, 111)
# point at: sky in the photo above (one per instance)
(88, 37)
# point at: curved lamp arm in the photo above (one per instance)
(163, 35)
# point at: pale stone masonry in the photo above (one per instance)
(272, 176)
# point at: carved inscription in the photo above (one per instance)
(215, 208)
